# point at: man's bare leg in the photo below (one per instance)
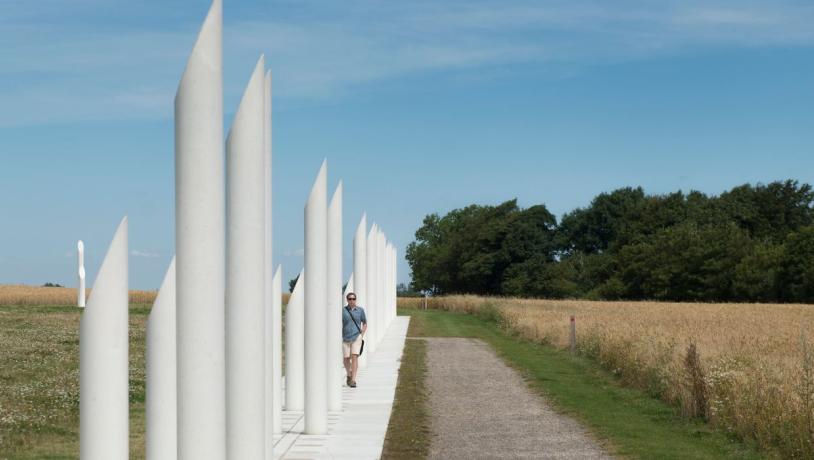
(355, 365)
(346, 362)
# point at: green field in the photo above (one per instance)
(39, 382)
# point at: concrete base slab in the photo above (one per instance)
(358, 431)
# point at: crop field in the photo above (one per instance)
(746, 368)
(18, 294)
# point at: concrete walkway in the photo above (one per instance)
(358, 431)
(482, 408)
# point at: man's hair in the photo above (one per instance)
(350, 294)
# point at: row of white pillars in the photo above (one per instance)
(214, 335)
(374, 274)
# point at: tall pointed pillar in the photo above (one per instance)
(103, 359)
(382, 285)
(269, 276)
(200, 247)
(295, 347)
(316, 314)
(360, 262)
(371, 309)
(335, 302)
(161, 401)
(276, 325)
(245, 239)
(348, 289)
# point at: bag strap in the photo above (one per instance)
(354, 321)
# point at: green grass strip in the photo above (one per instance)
(408, 433)
(627, 422)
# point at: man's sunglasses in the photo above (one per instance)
(351, 298)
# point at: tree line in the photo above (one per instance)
(751, 243)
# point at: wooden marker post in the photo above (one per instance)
(573, 335)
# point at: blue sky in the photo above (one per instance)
(420, 107)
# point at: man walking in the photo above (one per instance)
(354, 325)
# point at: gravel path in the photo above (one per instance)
(481, 408)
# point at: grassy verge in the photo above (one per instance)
(628, 422)
(39, 381)
(408, 435)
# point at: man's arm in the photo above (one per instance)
(364, 322)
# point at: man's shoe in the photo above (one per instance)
(348, 381)
(353, 384)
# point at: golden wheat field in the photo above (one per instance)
(20, 294)
(746, 368)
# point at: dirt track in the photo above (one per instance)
(481, 408)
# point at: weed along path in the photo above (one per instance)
(482, 408)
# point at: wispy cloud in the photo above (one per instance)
(146, 255)
(54, 71)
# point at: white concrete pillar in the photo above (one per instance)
(394, 313)
(200, 247)
(348, 289)
(360, 262)
(371, 309)
(393, 290)
(161, 401)
(276, 324)
(335, 302)
(316, 312)
(80, 290)
(388, 288)
(268, 271)
(381, 270)
(360, 272)
(245, 245)
(103, 365)
(295, 347)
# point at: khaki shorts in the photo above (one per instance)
(352, 347)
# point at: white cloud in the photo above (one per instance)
(146, 255)
(56, 71)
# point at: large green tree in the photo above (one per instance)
(753, 243)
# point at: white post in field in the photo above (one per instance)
(200, 247)
(295, 347)
(103, 359)
(80, 291)
(161, 397)
(245, 277)
(335, 302)
(316, 312)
